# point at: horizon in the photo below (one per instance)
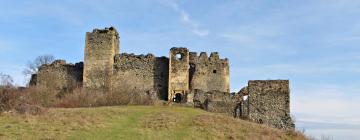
(313, 44)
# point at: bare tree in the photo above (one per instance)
(33, 66)
(6, 80)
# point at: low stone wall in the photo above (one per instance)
(214, 101)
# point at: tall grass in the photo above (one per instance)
(35, 99)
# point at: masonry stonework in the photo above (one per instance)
(59, 75)
(269, 103)
(183, 77)
(100, 49)
(141, 73)
(209, 73)
(178, 74)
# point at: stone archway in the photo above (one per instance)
(178, 98)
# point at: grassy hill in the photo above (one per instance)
(133, 122)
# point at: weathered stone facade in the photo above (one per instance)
(215, 101)
(269, 103)
(188, 71)
(141, 73)
(209, 73)
(184, 77)
(178, 74)
(59, 75)
(262, 101)
(100, 48)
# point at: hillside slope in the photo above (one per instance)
(133, 122)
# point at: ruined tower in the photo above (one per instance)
(100, 49)
(209, 73)
(178, 74)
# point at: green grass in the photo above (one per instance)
(133, 122)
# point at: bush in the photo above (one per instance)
(8, 98)
(22, 101)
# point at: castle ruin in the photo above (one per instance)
(183, 77)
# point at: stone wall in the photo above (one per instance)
(140, 73)
(178, 73)
(214, 101)
(100, 49)
(59, 75)
(209, 73)
(184, 76)
(269, 103)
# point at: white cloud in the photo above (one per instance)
(186, 19)
(329, 110)
(326, 103)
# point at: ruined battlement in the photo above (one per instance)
(204, 58)
(182, 77)
(110, 30)
(62, 63)
(131, 61)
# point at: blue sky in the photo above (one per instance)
(313, 43)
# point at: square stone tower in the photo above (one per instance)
(178, 74)
(100, 49)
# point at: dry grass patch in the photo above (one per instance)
(161, 120)
(134, 122)
(54, 124)
(224, 127)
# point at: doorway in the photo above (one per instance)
(177, 98)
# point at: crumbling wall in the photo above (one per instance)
(59, 75)
(140, 73)
(242, 108)
(178, 73)
(209, 73)
(269, 103)
(214, 101)
(100, 49)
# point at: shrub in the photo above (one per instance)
(21, 100)
(8, 98)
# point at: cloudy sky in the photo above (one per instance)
(313, 43)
